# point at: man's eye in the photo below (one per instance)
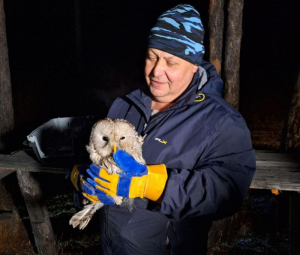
(151, 57)
(171, 64)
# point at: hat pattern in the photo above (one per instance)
(179, 31)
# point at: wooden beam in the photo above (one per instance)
(277, 171)
(23, 162)
(38, 214)
(274, 170)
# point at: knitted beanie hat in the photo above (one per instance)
(179, 31)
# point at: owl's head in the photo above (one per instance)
(107, 134)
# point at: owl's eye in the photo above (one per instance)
(122, 138)
(105, 138)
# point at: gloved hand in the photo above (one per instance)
(136, 180)
(86, 189)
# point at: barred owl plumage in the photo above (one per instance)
(105, 135)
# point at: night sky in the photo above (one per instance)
(53, 77)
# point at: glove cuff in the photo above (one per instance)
(156, 181)
(75, 177)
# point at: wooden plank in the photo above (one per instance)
(274, 170)
(277, 171)
(23, 162)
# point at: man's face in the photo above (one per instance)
(167, 76)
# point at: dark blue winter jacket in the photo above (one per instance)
(206, 147)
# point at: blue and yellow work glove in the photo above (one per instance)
(136, 180)
(86, 189)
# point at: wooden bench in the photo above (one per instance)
(280, 171)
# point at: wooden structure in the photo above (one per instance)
(279, 171)
(232, 45)
(6, 102)
(232, 52)
(292, 139)
(42, 229)
(216, 26)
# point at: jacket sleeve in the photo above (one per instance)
(220, 179)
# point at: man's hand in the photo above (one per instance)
(136, 180)
(86, 189)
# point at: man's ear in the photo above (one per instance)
(195, 68)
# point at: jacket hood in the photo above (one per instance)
(205, 81)
(214, 84)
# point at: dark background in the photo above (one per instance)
(52, 78)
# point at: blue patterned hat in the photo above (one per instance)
(179, 31)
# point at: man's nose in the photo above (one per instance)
(158, 69)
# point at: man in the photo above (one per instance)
(201, 140)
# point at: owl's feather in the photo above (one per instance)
(83, 217)
(104, 136)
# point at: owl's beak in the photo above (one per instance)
(115, 148)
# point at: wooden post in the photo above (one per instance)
(6, 128)
(232, 52)
(292, 138)
(40, 223)
(216, 27)
(6, 106)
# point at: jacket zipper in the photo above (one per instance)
(152, 120)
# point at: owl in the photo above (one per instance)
(108, 136)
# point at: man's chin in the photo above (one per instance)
(158, 95)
